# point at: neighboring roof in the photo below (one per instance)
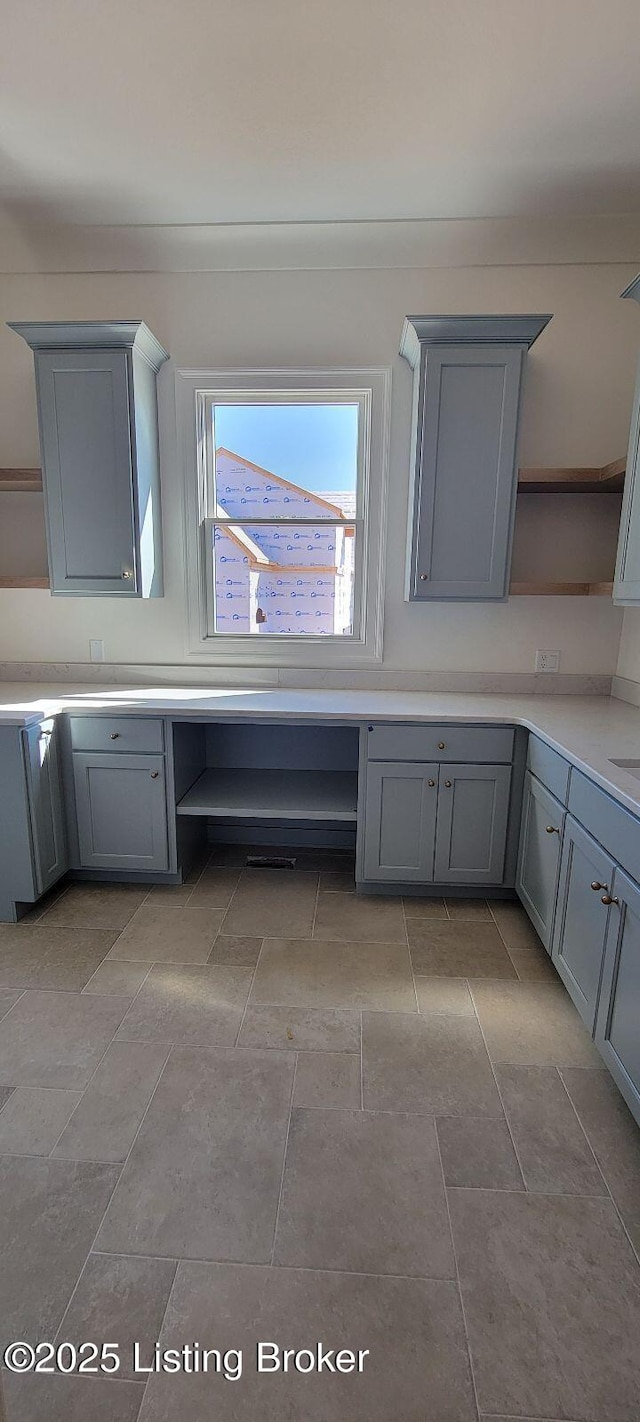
(286, 483)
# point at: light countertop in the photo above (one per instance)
(587, 730)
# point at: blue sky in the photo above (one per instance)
(312, 445)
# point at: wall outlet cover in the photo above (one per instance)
(547, 661)
(96, 649)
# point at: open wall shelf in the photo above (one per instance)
(21, 480)
(561, 589)
(606, 480)
(24, 581)
(244, 793)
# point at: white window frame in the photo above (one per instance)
(371, 390)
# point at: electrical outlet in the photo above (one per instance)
(547, 661)
(96, 649)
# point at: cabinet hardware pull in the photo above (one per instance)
(597, 885)
(113, 735)
(441, 745)
(155, 774)
(448, 784)
(431, 783)
(607, 899)
(551, 829)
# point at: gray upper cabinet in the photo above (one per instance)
(617, 1032)
(473, 812)
(467, 378)
(96, 387)
(626, 586)
(539, 855)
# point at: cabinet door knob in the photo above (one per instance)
(441, 745)
(607, 899)
(431, 783)
(127, 573)
(448, 784)
(369, 728)
(424, 577)
(155, 774)
(551, 829)
(595, 885)
(113, 735)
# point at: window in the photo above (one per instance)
(288, 497)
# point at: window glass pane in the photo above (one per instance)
(286, 460)
(291, 581)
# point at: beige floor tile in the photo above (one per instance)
(434, 1065)
(170, 895)
(312, 973)
(533, 965)
(49, 1213)
(7, 999)
(96, 906)
(58, 958)
(34, 1397)
(445, 995)
(215, 889)
(468, 909)
(194, 1004)
(117, 979)
(313, 1029)
(5, 1093)
(235, 951)
(327, 1079)
(336, 883)
(612, 1133)
(104, 1125)
(553, 1151)
(514, 924)
(458, 949)
(57, 1038)
(551, 1291)
(157, 935)
(363, 1192)
(122, 1299)
(418, 907)
(532, 1024)
(37, 911)
(203, 1178)
(478, 1153)
(358, 917)
(417, 1366)
(34, 1118)
(272, 901)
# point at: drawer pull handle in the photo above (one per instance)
(155, 774)
(607, 899)
(448, 784)
(551, 829)
(441, 745)
(113, 735)
(431, 783)
(596, 885)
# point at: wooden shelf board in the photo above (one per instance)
(606, 480)
(24, 581)
(25, 480)
(277, 794)
(561, 589)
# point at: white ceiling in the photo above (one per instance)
(217, 111)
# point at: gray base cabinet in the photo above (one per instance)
(541, 835)
(48, 834)
(581, 922)
(400, 821)
(33, 848)
(121, 809)
(618, 1020)
(471, 834)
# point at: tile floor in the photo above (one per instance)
(259, 1107)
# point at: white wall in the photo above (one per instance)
(576, 410)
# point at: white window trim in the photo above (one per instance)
(193, 387)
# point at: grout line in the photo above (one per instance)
(361, 1063)
(284, 1159)
(83, 990)
(457, 1271)
(245, 1008)
(610, 1194)
(315, 908)
(493, 1073)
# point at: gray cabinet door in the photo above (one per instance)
(465, 475)
(473, 812)
(618, 1020)
(86, 436)
(121, 808)
(400, 821)
(626, 586)
(541, 832)
(581, 919)
(46, 814)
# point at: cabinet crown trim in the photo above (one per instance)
(419, 331)
(60, 335)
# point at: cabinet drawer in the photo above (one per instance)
(549, 768)
(116, 733)
(441, 743)
(608, 822)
